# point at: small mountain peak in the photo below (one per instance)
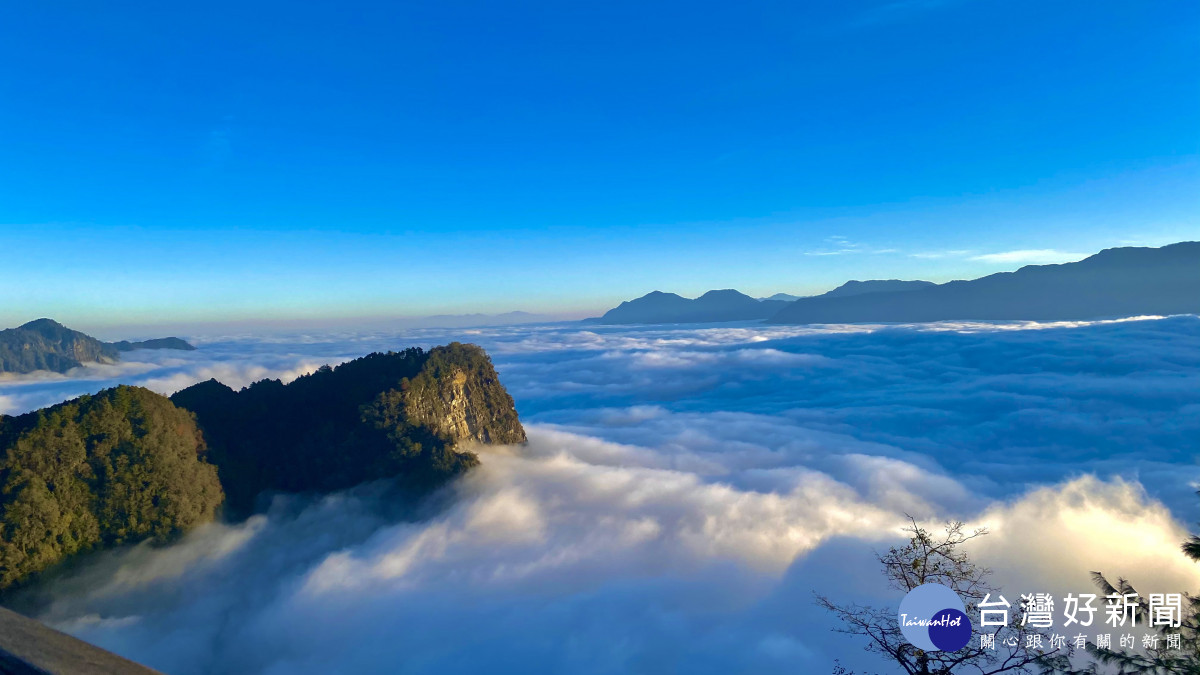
(725, 293)
(43, 324)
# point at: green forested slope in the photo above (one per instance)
(117, 467)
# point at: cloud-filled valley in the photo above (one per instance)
(684, 492)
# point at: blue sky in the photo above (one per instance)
(260, 160)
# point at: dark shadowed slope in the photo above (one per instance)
(1113, 283)
(29, 647)
(406, 414)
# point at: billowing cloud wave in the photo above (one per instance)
(683, 494)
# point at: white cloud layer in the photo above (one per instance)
(683, 493)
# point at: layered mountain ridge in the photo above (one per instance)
(720, 305)
(729, 304)
(1117, 282)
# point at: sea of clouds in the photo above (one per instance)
(684, 493)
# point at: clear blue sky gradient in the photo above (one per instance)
(261, 160)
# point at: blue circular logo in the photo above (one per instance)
(933, 618)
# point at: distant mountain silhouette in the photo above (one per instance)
(1116, 282)
(659, 307)
(729, 305)
(48, 345)
(45, 344)
(876, 286)
(156, 343)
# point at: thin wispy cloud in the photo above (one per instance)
(840, 245)
(938, 255)
(1040, 256)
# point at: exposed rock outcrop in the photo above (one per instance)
(459, 396)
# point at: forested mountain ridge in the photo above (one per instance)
(118, 467)
(411, 414)
(127, 464)
(45, 344)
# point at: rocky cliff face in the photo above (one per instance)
(458, 394)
